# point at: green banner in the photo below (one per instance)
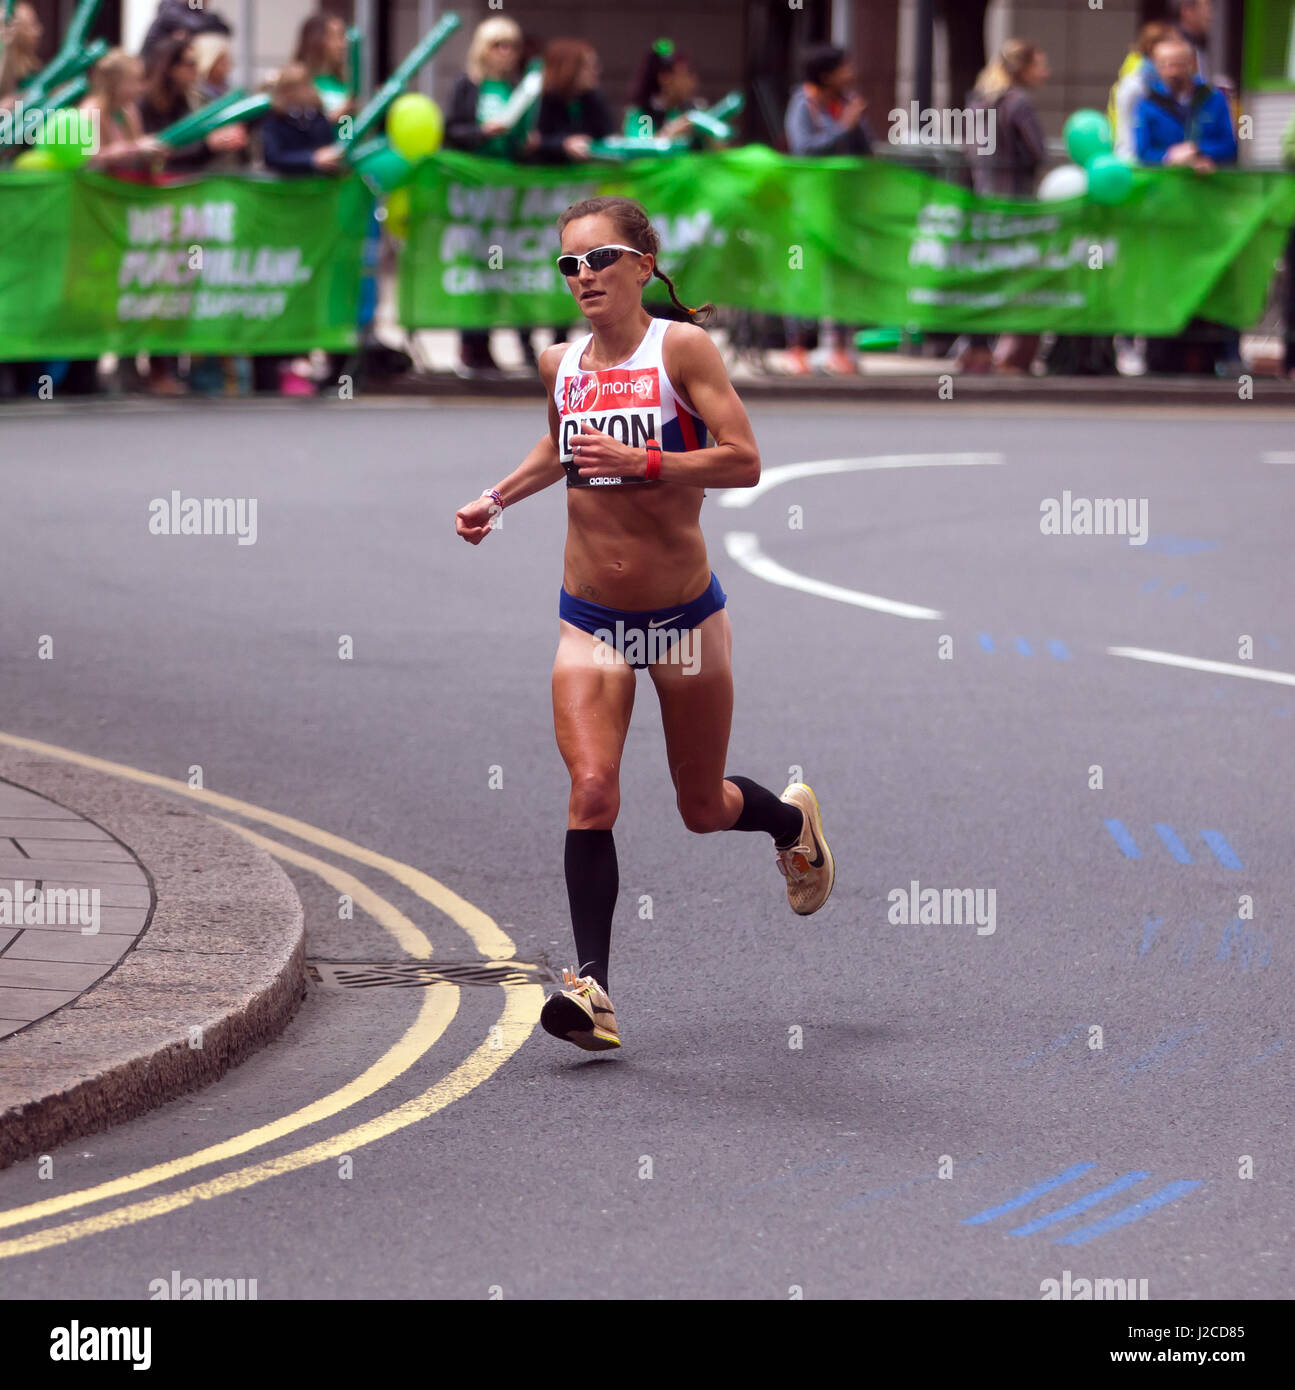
(861, 241)
(92, 264)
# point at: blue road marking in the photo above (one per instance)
(1150, 930)
(1178, 591)
(1149, 585)
(1178, 545)
(1127, 1214)
(987, 641)
(1023, 647)
(1122, 838)
(795, 1173)
(1058, 649)
(1173, 844)
(1026, 1197)
(1065, 1213)
(1223, 851)
(1161, 1050)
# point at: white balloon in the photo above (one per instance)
(1070, 181)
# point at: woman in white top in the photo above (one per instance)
(631, 406)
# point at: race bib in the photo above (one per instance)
(624, 403)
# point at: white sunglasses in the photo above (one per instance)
(597, 259)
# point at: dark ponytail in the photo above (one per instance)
(636, 231)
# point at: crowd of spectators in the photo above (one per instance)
(1167, 107)
(562, 126)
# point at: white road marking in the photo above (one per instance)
(744, 547)
(1192, 663)
(1278, 457)
(775, 477)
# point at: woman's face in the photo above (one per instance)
(130, 87)
(219, 73)
(28, 30)
(678, 84)
(590, 72)
(501, 57)
(184, 71)
(335, 43)
(297, 96)
(1038, 71)
(610, 294)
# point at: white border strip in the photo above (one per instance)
(784, 473)
(744, 547)
(1192, 663)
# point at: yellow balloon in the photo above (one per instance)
(415, 126)
(399, 206)
(35, 159)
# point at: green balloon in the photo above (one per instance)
(387, 168)
(68, 138)
(415, 126)
(1087, 134)
(1110, 180)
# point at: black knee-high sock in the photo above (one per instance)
(593, 881)
(762, 810)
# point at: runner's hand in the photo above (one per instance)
(601, 456)
(473, 521)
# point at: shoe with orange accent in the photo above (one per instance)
(840, 363)
(797, 362)
(581, 1013)
(807, 865)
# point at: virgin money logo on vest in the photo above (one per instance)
(601, 390)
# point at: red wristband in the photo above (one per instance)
(653, 459)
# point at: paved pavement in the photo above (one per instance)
(48, 961)
(849, 1104)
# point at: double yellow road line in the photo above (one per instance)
(515, 1024)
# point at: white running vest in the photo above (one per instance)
(632, 402)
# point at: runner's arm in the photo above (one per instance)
(541, 467)
(734, 460)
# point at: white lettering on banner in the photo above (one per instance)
(519, 221)
(159, 281)
(474, 279)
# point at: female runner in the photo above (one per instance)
(630, 405)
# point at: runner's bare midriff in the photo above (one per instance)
(635, 547)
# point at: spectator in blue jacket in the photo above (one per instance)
(1182, 120)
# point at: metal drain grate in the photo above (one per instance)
(359, 974)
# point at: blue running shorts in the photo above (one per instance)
(642, 637)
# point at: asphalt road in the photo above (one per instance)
(944, 1073)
